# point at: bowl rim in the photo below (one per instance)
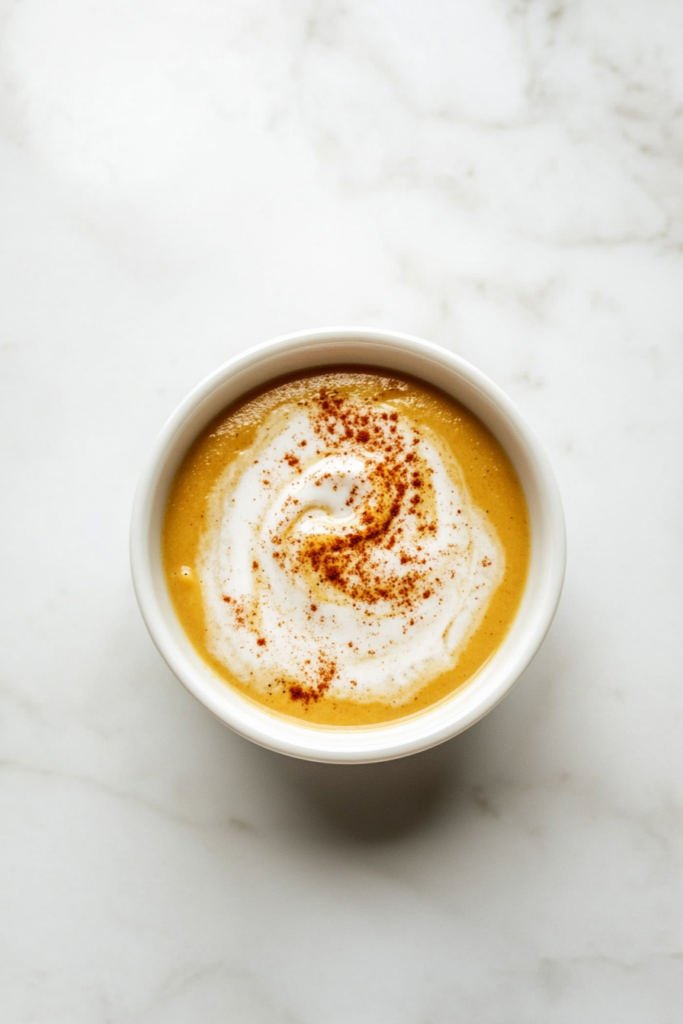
(469, 703)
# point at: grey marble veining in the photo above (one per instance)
(180, 181)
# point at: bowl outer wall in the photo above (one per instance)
(399, 352)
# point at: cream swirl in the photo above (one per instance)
(344, 556)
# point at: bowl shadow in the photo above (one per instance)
(374, 803)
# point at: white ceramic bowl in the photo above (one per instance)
(300, 352)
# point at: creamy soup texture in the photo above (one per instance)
(347, 547)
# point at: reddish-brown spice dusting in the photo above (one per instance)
(306, 694)
(348, 562)
(353, 562)
(322, 675)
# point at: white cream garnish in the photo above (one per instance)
(343, 556)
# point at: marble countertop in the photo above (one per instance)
(180, 181)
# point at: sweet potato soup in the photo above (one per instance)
(346, 547)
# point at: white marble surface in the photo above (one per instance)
(181, 180)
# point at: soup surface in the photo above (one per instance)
(346, 547)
